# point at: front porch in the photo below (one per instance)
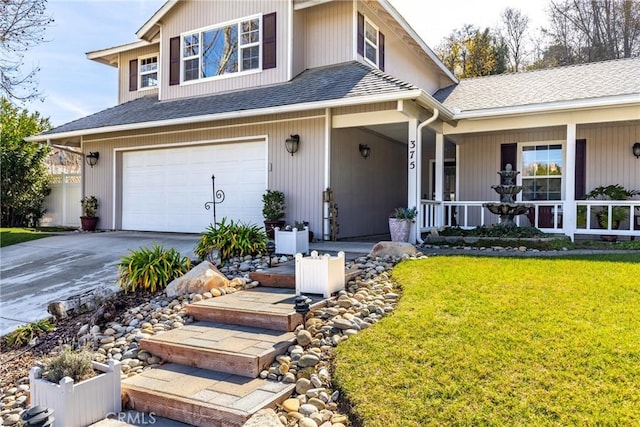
(547, 216)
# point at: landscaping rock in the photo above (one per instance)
(264, 418)
(202, 278)
(393, 249)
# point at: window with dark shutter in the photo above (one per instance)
(360, 34)
(174, 61)
(133, 75)
(269, 41)
(381, 51)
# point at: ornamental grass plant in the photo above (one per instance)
(501, 341)
(231, 239)
(149, 269)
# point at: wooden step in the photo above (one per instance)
(202, 397)
(269, 308)
(233, 349)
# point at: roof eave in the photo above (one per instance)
(431, 103)
(142, 33)
(109, 56)
(405, 25)
(608, 101)
(409, 94)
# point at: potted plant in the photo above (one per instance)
(89, 220)
(273, 208)
(400, 222)
(618, 213)
(69, 384)
(292, 240)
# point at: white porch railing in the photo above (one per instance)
(545, 215)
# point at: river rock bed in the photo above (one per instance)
(307, 364)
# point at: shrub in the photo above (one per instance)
(494, 231)
(151, 268)
(76, 365)
(89, 206)
(232, 239)
(24, 334)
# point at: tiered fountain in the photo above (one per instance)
(508, 208)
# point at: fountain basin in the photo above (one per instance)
(508, 211)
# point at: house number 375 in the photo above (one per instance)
(412, 154)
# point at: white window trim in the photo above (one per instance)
(563, 176)
(366, 41)
(140, 73)
(199, 31)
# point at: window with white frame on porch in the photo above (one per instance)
(542, 172)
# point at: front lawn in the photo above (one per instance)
(496, 341)
(11, 236)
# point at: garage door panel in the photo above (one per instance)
(166, 189)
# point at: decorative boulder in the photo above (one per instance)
(392, 249)
(202, 278)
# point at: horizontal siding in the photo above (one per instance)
(124, 95)
(328, 33)
(191, 15)
(300, 176)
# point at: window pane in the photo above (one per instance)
(191, 45)
(220, 51)
(250, 58)
(370, 53)
(529, 164)
(371, 34)
(528, 189)
(191, 69)
(148, 80)
(148, 64)
(250, 31)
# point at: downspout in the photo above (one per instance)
(434, 117)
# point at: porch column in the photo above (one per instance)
(439, 183)
(569, 211)
(413, 171)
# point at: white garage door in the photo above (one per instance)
(166, 189)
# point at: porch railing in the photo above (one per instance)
(545, 215)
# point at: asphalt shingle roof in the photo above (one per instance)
(585, 81)
(347, 80)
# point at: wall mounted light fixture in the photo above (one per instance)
(292, 143)
(636, 150)
(92, 158)
(365, 150)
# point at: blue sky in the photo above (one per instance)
(75, 87)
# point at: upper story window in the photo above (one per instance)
(225, 49)
(148, 72)
(542, 172)
(370, 42)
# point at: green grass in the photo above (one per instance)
(495, 341)
(11, 236)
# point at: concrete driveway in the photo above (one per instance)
(34, 273)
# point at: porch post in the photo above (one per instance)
(569, 211)
(439, 183)
(413, 186)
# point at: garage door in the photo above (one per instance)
(166, 189)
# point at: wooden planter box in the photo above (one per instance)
(319, 274)
(292, 242)
(78, 405)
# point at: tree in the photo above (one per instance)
(22, 26)
(469, 52)
(24, 177)
(513, 32)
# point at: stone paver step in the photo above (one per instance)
(202, 397)
(270, 308)
(234, 349)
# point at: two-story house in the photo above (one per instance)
(217, 88)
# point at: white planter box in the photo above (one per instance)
(319, 274)
(78, 405)
(292, 242)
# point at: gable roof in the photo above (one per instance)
(351, 82)
(564, 84)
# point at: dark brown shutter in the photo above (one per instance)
(133, 75)
(381, 51)
(581, 168)
(269, 41)
(360, 34)
(174, 61)
(508, 154)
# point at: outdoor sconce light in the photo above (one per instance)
(92, 158)
(292, 143)
(636, 150)
(365, 150)
(271, 249)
